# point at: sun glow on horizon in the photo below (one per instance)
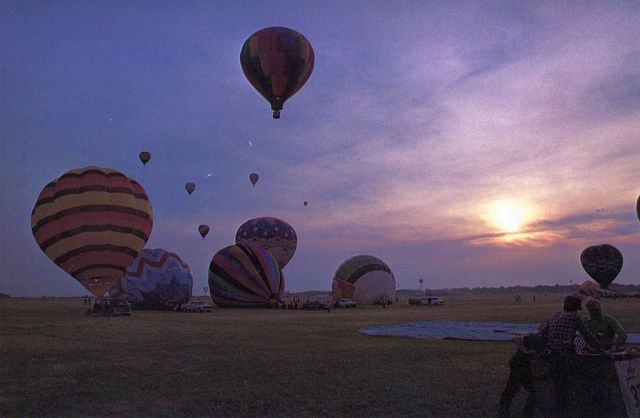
(510, 215)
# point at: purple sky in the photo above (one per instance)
(418, 120)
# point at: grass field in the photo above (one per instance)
(58, 362)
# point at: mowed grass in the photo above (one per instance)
(55, 361)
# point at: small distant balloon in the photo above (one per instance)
(204, 230)
(305, 203)
(190, 187)
(144, 157)
(254, 178)
(602, 262)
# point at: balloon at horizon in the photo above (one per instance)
(245, 276)
(365, 279)
(602, 262)
(273, 234)
(92, 222)
(157, 279)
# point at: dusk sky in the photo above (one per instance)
(465, 143)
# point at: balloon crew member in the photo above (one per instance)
(561, 331)
(609, 333)
(520, 375)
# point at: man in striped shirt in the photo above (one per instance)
(561, 329)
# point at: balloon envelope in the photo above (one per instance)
(157, 279)
(591, 288)
(364, 279)
(204, 230)
(190, 187)
(277, 62)
(602, 262)
(92, 222)
(305, 203)
(638, 208)
(253, 177)
(144, 157)
(245, 276)
(273, 234)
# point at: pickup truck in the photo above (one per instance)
(426, 300)
(345, 303)
(315, 305)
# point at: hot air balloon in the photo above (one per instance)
(92, 222)
(204, 230)
(253, 177)
(245, 276)
(638, 208)
(277, 62)
(190, 187)
(157, 279)
(590, 288)
(602, 262)
(273, 234)
(305, 203)
(144, 157)
(364, 279)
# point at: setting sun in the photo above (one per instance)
(510, 215)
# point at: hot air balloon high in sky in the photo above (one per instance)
(190, 187)
(602, 262)
(245, 276)
(364, 279)
(277, 62)
(144, 157)
(203, 230)
(273, 234)
(253, 178)
(92, 222)
(305, 203)
(157, 279)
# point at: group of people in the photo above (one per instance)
(560, 339)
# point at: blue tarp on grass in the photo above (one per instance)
(463, 330)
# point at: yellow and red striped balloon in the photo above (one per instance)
(92, 222)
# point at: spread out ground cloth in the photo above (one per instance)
(462, 330)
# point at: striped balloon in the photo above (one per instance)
(157, 279)
(365, 279)
(92, 222)
(245, 276)
(277, 62)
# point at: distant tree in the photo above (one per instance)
(4, 295)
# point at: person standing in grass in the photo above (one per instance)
(520, 376)
(561, 332)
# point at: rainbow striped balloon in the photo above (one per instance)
(92, 222)
(245, 276)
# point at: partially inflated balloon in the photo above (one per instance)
(364, 279)
(157, 279)
(204, 230)
(273, 234)
(602, 262)
(144, 157)
(590, 288)
(190, 187)
(92, 222)
(277, 62)
(253, 178)
(245, 276)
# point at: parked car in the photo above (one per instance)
(383, 300)
(426, 300)
(315, 305)
(110, 307)
(196, 306)
(345, 303)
